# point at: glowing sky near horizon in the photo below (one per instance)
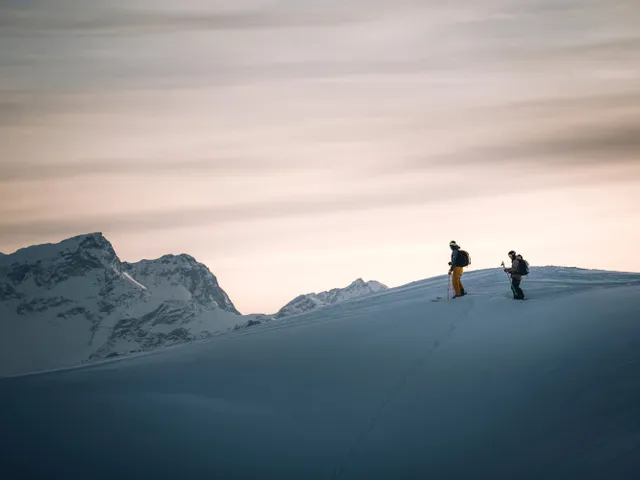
(293, 146)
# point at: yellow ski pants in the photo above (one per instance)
(455, 280)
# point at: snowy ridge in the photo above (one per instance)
(310, 301)
(402, 384)
(75, 301)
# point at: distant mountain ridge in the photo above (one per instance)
(75, 301)
(310, 301)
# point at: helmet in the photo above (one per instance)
(511, 253)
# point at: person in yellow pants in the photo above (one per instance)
(455, 269)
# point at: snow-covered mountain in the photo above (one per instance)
(403, 384)
(75, 301)
(310, 301)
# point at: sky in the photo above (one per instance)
(293, 146)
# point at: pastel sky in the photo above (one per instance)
(293, 146)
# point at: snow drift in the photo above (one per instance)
(396, 385)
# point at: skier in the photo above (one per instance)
(518, 269)
(459, 259)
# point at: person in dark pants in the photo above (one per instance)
(517, 266)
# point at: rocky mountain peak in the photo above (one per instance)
(50, 264)
(78, 292)
(200, 285)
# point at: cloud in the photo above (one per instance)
(10, 172)
(114, 19)
(551, 133)
(606, 143)
(587, 145)
(616, 47)
(11, 111)
(167, 219)
(427, 194)
(488, 51)
(381, 38)
(585, 106)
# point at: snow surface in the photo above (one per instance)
(397, 385)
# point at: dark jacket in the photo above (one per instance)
(454, 257)
(515, 264)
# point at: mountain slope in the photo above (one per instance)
(310, 301)
(67, 303)
(397, 385)
(181, 277)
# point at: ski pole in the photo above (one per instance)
(509, 277)
(449, 287)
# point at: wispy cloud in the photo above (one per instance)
(556, 145)
(115, 18)
(584, 106)
(10, 172)
(369, 92)
(300, 206)
(252, 41)
(614, 143)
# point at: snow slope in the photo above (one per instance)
(311, 301)
(75, 301)
(396, 385)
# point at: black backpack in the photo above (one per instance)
(463, 259)
(523, 266)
